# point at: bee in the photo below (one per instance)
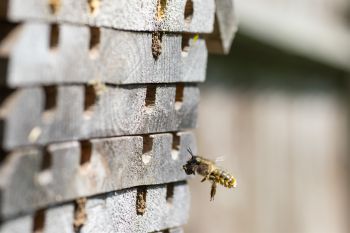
(209, 171)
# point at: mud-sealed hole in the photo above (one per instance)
(170, 193)
(54, 37)
(161, 9)
(80, 215)
(185, 44)
(85, 152)
(157, 38)
(95, 39)
(188, 14)
(179, 95)
(39, 221)
(54, 6)
(50, 101)
(150, 99)
(94, 6)
(147, 147)
(175, 146)
(141, 204)
(90, 99)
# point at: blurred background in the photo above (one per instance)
(277, 108)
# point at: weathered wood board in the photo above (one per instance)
(41, 115)
(42, 54)
(225, 27)
(195, 16)
(32, 178)
(113, 212)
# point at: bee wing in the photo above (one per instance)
(220, 159)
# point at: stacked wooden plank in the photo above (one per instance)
(96, 101)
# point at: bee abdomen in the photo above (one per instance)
(227, 180)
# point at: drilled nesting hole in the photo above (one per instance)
(50, 104)
(8, 31)
(141, 204)
(45, 176)
(170, 193)
(39, 221)
(3, 154)
(94, 45)
(175, 146)
(147, 147)
(185, 44)
(5, 94)
(46, 161)
(150, 99)
(188, 15)
(54, 6)
(85, 153)
(90, 99)
(54, 37)
(94, 6)
(179, 95)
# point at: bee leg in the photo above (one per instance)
(204, 178)
(212, 191)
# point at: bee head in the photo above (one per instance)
(191, 164)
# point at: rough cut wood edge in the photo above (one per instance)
(116, 57)
(133, 15)
(225, 28)
(42, 115)
(89, 168)
(114, 212)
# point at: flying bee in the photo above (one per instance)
(209, 171)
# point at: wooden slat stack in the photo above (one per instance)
(96, 101)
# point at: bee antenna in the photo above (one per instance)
(190, 151)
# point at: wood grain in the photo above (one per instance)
(131, 15)
(115, 111)
(114, 212)
(43, 54)
(113, 164)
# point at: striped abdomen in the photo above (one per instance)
(223, 178)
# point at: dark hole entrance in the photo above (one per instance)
(188, 15)
(89, 100)
(150, 99)
(39, 221)
(54, 37)
(170, 193)
(147, 144)
(94, 44)
(85, 152)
